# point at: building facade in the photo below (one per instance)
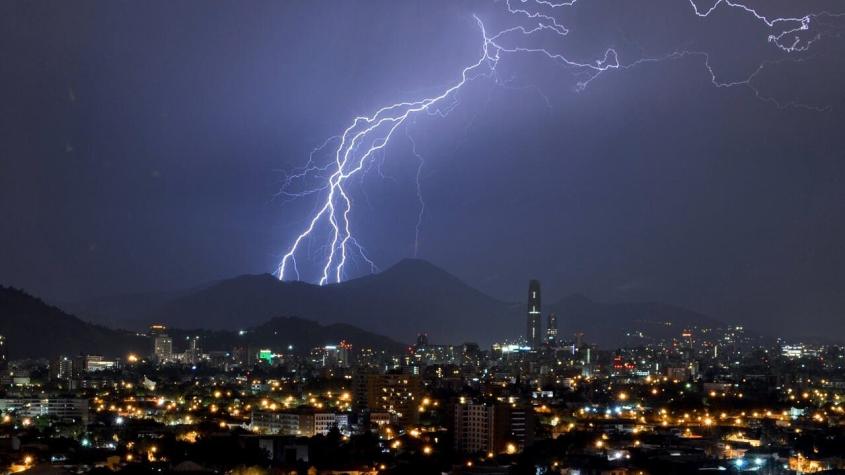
(298, 423)
(396, 393)
(162, 348)
(61, 408)
(551, 330)
(492, 426)
(474, 427)
(4, 358)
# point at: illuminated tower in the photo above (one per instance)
(551, 330)
(534, 334)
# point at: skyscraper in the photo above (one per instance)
(534, 333)
(551, 330)
(162, 343)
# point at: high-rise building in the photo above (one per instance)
(61, 368)
(163, 348)
(193, 352)
(395, 393)
(327, 356)
(492, 426)
(551, 330)
(162, 343)
(474, 429)
(534, 334)
(344, 354)
(3, 357)
(514, 427)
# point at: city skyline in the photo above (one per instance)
(417, 237)
(192, 308)
(715, 200)
(721, 398)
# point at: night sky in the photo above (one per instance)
(143, 146)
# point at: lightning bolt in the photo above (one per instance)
(792, 26)
(420, 200)
(368, 135)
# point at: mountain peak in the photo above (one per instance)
(418, 272)
(415, 264)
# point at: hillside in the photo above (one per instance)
(34, 329)
(612, 324)
(411, 297)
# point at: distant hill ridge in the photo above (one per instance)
(34, 329)
(410, 297)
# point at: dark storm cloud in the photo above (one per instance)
(141, 144)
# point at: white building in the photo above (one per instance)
(62, 408)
